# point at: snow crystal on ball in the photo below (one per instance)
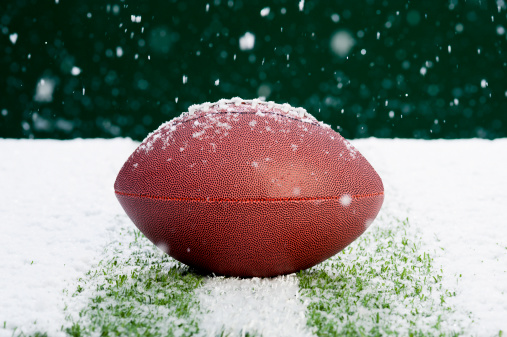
(345, 200)
(224, 125)
(247, 41)
(352, 150)
(296, 191)
(237, 101)
(199, 134)
(163, 247)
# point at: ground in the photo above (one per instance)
(436, 253)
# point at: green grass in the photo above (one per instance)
(384, 283)
(136, 291)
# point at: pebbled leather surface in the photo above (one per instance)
(249, 191)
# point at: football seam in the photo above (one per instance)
(248, 200)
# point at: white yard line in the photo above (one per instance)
(270, 307)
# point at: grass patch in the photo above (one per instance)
(382, 284)
(137, 290)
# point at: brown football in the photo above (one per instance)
(249, 188)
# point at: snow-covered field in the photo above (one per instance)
(58, 212)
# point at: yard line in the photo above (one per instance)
(269, 306)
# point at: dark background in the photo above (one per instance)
(421, 69)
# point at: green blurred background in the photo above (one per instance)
(98, 68)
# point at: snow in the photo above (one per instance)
(76, 71)
(342, 42)
(13, 37)
(301, 5)
(269, 307)
(236, 104)
(455, 192)
(345, 200)
(135, 18)
(265, 11)
(44, 90)
(57, 211)
(247, 41)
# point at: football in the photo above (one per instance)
(249, 188)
